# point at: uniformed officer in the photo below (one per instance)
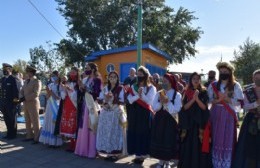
(30, 96)
(9, 95)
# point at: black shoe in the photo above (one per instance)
(138, 160)
(27, 139)
(11, 137)
(69, 150)
(53, 146)
(35, 142)
(108, 158)
(113, 158)
(6, 137)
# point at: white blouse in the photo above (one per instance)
(170, 107)
(238, 95)
(105, 91)
(71, 93)
(148, 98)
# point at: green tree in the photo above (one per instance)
(72, 52)
(47, 60)
(247, 60)
(20, 66)
(103, 24)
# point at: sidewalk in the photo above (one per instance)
(15, 153)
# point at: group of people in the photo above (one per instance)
(161, 117)
(13, 92)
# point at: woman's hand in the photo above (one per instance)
(140, 91)
(221, 96)
(196, 95)
(164, 99)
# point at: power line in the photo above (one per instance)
(42, 15)
(45, 18)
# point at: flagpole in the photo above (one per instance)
(139, 36)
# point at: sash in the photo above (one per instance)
(205, 148)
(54, 108)
(189, 93)
(228, 108)
(73, 95)
(141, 102)
(93, 109)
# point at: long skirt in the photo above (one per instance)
(138, 130)
(110, 132)
(68, 126)
(86, 139)
(223, 136)
(191, 155)
(248, 146)
(58, 120)
(164, 136)
(47, 132)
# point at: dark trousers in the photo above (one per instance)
(9, 112)
(18, 109)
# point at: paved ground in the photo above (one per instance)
(15, 153)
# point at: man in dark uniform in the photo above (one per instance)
(9, 95)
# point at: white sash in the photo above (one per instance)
(93, 108)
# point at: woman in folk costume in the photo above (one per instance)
(195, 127)
(164, 136)
(54, 95)
(140, 116)
(63, 81)
(225, 95)
(111, 136)
(248, 146)
(86, 140)
(68, 126)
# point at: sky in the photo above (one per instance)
(226, 25)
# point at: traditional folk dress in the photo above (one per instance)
(111, 123)
(223, 123)
(248, 147)
(86, 139)
(139, 119)
(195, 123)
(68, 125)
(47, 132)
(164, 134)
(58, 120)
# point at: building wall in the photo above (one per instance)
(116, 60)
(148, 57)
(154, 59)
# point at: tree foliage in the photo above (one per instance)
(72, 52)
(247, 60)
(20, 66)
(47, 60)
(104, 24)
